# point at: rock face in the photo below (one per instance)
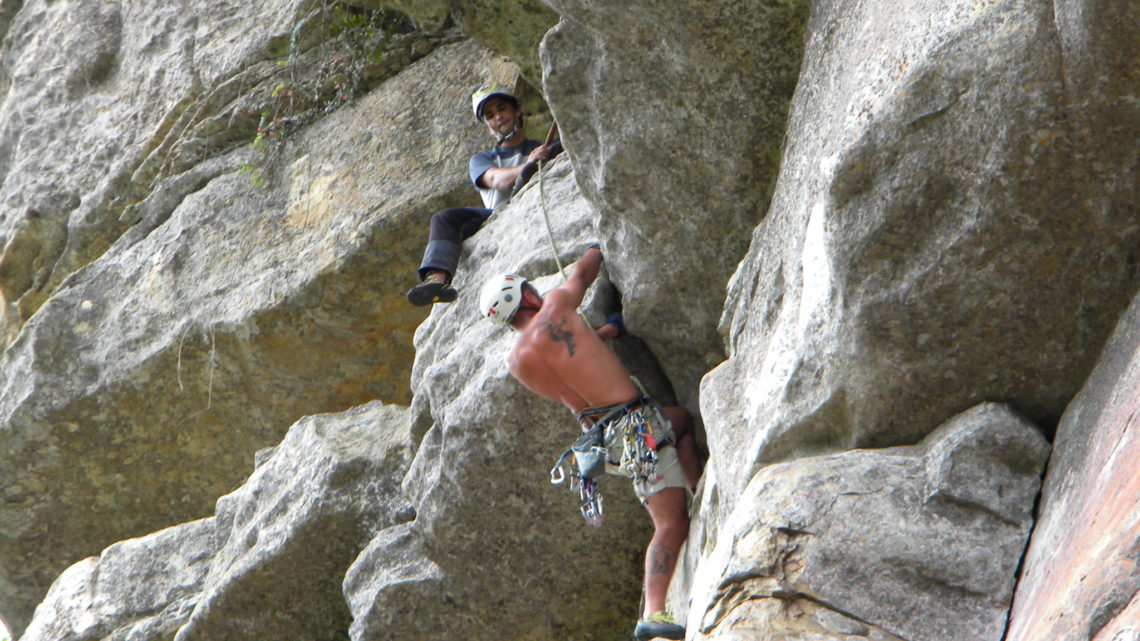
(925, 214)
(677, 113)
(929, 242)
(919, 543)
(1081, 576)
(205, 330)
(269, 560)
(89, 154)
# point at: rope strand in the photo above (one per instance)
(546, 217)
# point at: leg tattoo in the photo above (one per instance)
(660, 559)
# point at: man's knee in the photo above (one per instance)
(670, 512)
(455, 224)
(672, 531)
(447, 218)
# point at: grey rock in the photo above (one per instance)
(110, 104)
(968, 448)
(268, 564)
(297, 524)
(931, 240)
(675, 116)
(202, 334)
(138, 589)
(857, 542)
(395, 590)
(74, 156)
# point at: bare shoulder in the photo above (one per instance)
(518, 363)
(558, 299)
(522, 352)
(521, 362)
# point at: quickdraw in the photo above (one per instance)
(588, 463)
(639, 447)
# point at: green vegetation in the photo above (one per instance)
(335, 53)
(254, 173)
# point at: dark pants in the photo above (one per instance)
(449, 228)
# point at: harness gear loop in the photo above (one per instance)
(592, 503)
(588, 462)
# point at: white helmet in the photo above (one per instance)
(501, 297)
(482, 94)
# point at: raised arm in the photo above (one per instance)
(584, 274)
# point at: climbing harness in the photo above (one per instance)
(623, 436)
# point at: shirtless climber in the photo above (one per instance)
(494, 173)
(559, 357)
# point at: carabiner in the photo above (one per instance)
(561, 475)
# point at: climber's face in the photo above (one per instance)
(500, 116)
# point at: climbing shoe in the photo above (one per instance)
(432, 291)
(659, 624)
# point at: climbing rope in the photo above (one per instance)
(550, 231)
(542, 201)
(546, 217)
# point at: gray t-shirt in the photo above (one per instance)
(503, 157)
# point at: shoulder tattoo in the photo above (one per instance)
(559, 333)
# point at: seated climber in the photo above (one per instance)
(494, 173)
(558, 356)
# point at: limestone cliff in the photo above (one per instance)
(884, 252)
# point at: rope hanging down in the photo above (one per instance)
(542, 200)
(546, 217)
(550, 234)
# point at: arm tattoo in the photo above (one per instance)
(660, 559)
(560, 335)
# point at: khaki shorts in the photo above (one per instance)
(668, 474)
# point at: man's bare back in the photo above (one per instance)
(559, 357)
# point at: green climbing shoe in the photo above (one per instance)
(659, 624)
